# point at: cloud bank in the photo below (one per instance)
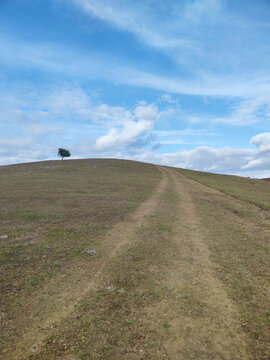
(69, 116)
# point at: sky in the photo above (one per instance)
(183, 83)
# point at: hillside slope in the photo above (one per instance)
(253, 190)
(111, 259)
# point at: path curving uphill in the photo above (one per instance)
(207, 325)
(62, 294)
(184, 277)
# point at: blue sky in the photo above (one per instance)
(182, 83)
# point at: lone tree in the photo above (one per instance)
(63, 153)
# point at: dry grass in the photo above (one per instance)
(50, 212)
(183, 275)
(113, 324)
(237, 235)
(252, 190)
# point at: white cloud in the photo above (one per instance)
(147, 112)
(243, 162)
(239, 161)
(261, 141)
(249, 111)
(74, 102)
(257, 163)
(67, 101)
(110, 115)
(101, 130)
(133, 126)
(131, 130)
(60, 60)
(197, 34)
(70, 116)
(205, 158)
(137, 18)
(168, 98)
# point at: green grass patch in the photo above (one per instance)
(252, 190)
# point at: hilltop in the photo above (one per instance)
(115, 259)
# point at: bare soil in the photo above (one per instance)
(183, 274)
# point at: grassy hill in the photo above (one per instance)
(124, 260)
(253, 190)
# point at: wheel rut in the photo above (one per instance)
(204, 323)
(57, 300)
(201, 320)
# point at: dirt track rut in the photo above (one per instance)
(202, 321)
(205, 323)
(39, 318)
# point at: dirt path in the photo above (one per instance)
(237, 238)
(176, 303)
(46, 309)
(204, 323)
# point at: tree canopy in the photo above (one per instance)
(63, 153)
